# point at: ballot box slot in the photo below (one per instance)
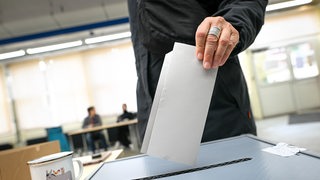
(195, 169)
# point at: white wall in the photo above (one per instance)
(288, 27)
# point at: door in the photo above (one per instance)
(305, 76)
(287, 79)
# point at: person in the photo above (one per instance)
(93, 120)
(220, 30)
(123, 131)
(125, 114)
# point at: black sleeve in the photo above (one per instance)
(247, 16)
(131, 116)
(119, 119)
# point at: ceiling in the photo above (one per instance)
(25, 17)
(22, 17)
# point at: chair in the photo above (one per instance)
(98, 142)
(13, 162)
(5, 146)
(37, 140)
(112, 135)
(56, 133)
(77, 142)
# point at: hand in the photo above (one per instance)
(212, 50)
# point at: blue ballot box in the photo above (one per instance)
(233, 158)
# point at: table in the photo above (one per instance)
(229, 159)
(90, 168)
(132, 129)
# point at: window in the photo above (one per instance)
(67, 90)
(6, 125)
(58, 89)
(112, 78)
(49, 92)
(30, 94)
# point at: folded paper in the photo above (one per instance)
(180, 107)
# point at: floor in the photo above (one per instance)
(127, 152)
(277, 129)
(306, 135)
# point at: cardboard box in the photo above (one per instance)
(13, 163)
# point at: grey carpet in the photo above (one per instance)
(304, 118)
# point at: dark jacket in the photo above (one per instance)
(96, 121)
(126, 115)
(163, 22)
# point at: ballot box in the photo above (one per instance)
(233, 158)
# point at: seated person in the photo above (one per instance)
(123, 131)
(91, 121)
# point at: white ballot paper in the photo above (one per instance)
(283, 149)
(180, 107)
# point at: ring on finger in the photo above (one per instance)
(214, 30)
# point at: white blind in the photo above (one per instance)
(67, 88)
(112, 78)
(58, 90)
(29, 94)
(4, 115)
(49, 92)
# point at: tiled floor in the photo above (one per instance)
(306, 135)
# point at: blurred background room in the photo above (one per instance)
(57, 58)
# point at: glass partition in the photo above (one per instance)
(303, 61)
(285, 64)
(272, 66)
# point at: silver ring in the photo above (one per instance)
(214, 30)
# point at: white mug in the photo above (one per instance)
(57, 166)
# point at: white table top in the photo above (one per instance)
(105, 126)
(88, 169)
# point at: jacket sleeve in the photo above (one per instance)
(247, 16)
(99, 121)
(85, 123)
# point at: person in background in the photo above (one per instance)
(93, 120)
(123, 131)
(126, 114)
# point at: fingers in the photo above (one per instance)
(210, 48)
(221, 47)
(213, 50)
(201, 36)
(234, 39)
(227, 41)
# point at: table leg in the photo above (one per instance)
(133, 130)
(84, 142)
(71, 142)
(136, 130)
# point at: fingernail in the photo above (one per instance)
(207, 65)
(199, 56)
